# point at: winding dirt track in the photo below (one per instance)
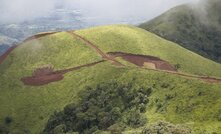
(204, 78)
(139, 60)
(160, 65)
(92, 45)
(78, 67)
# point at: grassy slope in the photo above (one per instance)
(30, 107)
(197, 28)
(60, 51)
(134, 40)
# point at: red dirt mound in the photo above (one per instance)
(42, 80)
(144, 61)
(46, 75)
(5, 55)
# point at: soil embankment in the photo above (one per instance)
(144, 61)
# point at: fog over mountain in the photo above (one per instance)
(196, 27)
(22, 18)
(14, 11)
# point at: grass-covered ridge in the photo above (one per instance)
(27, 109)
(196, 27)
(130, 39)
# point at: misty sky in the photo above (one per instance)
(13, 11)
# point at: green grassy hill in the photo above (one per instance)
(137, 41)
(179, 100)
(195, 27)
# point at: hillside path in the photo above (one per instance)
(209, 79)
(92, 45)
(105, 56)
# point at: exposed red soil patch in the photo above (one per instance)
(37, 36)
(99, 51)
(42, 80)
(5, 55)
(46, 75)
(142, 60)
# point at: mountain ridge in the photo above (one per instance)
(171, 98)
(195, 27)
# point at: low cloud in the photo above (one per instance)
(13, 11)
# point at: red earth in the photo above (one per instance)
(47, 75)
(42, 76)
(141, 60)
(98, 50)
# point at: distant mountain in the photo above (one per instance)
(6, 42)
(195, 27)
(3, 48)
(57, 20)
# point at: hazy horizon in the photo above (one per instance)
(96, 11)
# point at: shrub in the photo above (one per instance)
(116, 129)
(169, 96)
(218, 115)
(4, 130)
(8, 120)
(166, 128)
(177, 66)
(101, 107)
(135, 119)
(165, 85)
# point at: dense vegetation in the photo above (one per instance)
(195, 27)
(99, 108)
(179, 100)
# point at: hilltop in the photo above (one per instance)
(108, 78)
(196, 27)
